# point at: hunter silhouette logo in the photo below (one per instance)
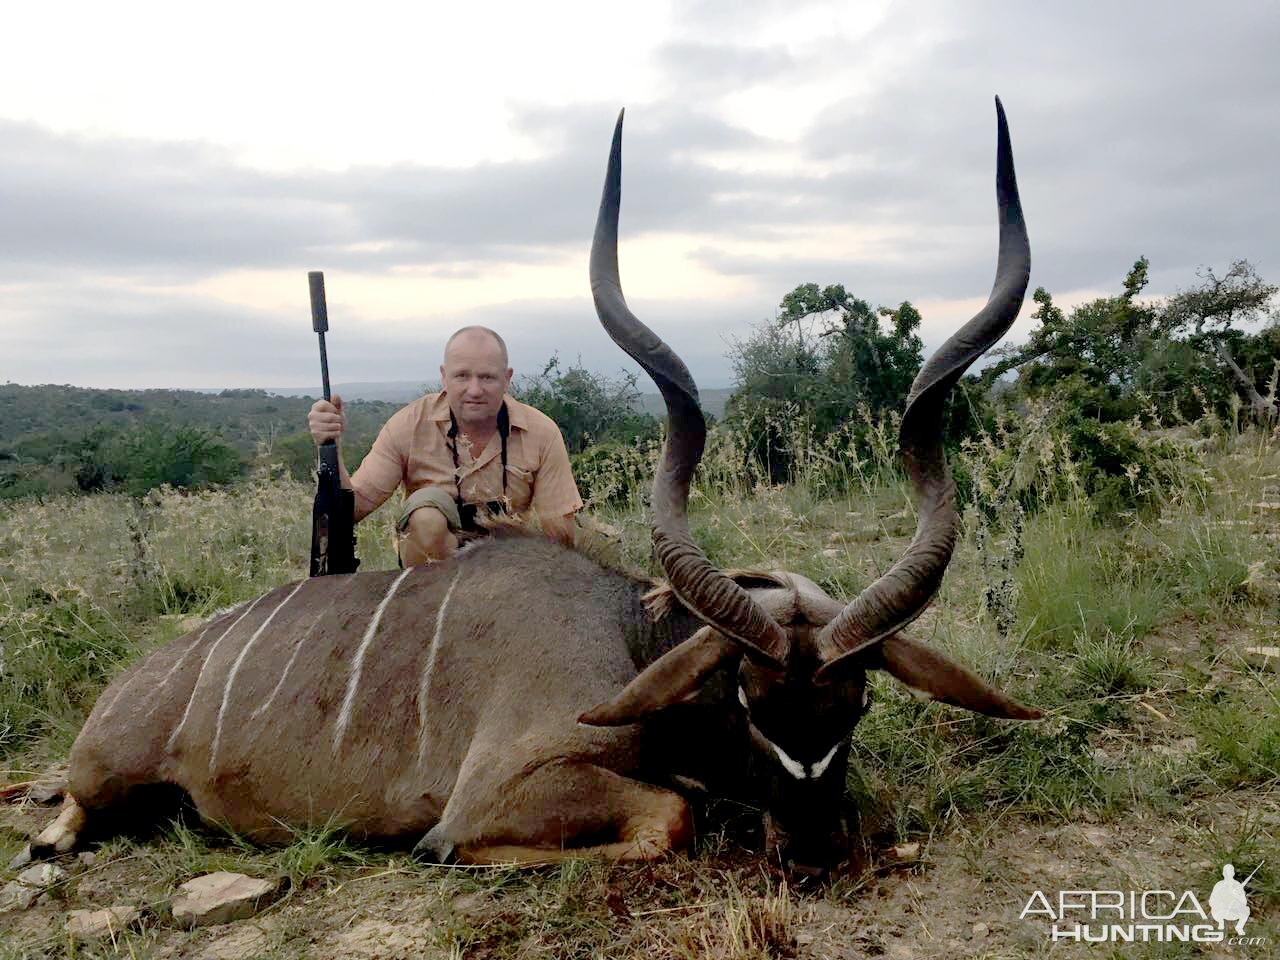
(1227, 902)
(1148, 916)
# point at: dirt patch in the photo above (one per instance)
(962, 898)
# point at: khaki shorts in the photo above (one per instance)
(429, 497)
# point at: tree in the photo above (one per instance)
(826, 355)
(1206, 314)
(180, 456)
(588, 407)
(1094, 353)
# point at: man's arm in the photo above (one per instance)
(379, 473)
(555, 495)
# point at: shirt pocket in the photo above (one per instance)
(519, 488)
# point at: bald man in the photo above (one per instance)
(461, 454)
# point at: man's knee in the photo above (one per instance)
(428, 537)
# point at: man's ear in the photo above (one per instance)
(668, 680)
(933, 674)
(509, 372)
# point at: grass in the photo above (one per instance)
(1126, 633)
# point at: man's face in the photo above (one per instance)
(475, 378)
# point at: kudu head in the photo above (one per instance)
(802, 656)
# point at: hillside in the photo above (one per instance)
(402, 391)
(48, 431)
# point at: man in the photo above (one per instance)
(464, 452)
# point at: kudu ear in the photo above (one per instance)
(668, 680)
(936, 675)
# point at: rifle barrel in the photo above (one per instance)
(320, 321)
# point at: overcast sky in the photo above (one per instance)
(168, 173)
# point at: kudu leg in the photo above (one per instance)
(566, 809)
(58, 837)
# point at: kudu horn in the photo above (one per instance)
(704, 589)
(902, 593)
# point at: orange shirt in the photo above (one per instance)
(413, 450)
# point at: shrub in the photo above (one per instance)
(613, 472)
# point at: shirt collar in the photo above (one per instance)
(438, 409)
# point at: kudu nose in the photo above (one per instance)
(808, 857)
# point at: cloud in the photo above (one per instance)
(1136, 131)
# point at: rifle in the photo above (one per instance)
(333, 517)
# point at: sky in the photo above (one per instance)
(169, 173)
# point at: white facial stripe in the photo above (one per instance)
(425, 684)
(235, 669)
(819, 768)
(866, 697)
(357, 665)
(797, 770)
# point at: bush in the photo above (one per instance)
(588, 407)
(613, 472)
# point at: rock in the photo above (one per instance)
(468, 902)
(42, 875)
(86, 858)
(92, 924)
(1264, 658)
(18, 896)
(21, 894)
(980, 931)
(831, 552)
(221, 898)
(905, 851)
(1180, 748)
(245, 942)
(187, 624)
(49, 786)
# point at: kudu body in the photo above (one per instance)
(516, 702)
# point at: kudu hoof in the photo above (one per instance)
(22, 858)
(434, 848)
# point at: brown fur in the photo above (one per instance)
(515, 664)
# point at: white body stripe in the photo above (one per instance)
(235, 668)
(357, 665)
(425, 684)
(156, 700)
(297, 648)
(116, 699)
(173, 737)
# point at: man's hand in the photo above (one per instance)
(326, 420)
(559, 529)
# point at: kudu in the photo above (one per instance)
(516, 702)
